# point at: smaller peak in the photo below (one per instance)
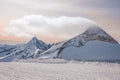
(34, 38)
(38, 43)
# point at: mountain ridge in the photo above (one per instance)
(37, 49)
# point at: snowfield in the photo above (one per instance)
(57, 71)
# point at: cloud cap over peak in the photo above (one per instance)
(59, 27)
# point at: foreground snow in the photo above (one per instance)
(66, 71)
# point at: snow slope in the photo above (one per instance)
(69, 71)
(92, 50)
(51, 52)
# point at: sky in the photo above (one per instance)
(56, 20)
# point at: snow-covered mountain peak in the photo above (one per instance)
(23, 51)
(91, 34)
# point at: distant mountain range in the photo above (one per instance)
(93, 44)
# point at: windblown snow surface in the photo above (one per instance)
(93, 50)
(63, 71)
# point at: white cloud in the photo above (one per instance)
(63, 26)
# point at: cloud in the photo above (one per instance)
(59, 27)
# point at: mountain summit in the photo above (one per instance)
(93, 44)
(96, 33)
(90, 34)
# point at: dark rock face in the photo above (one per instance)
(96, 33)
